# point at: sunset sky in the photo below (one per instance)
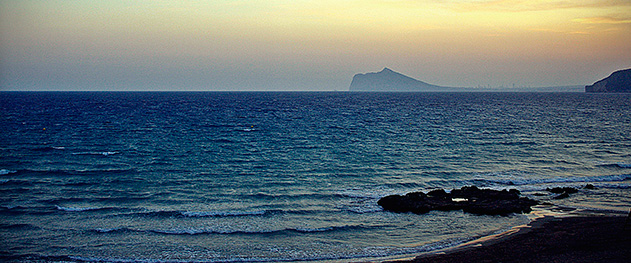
(307, 45)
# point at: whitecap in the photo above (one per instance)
(223, 213)
(111, 230)
(6, 171)
(185, 231)
(76, 209)
(96, 153)
(310, 230)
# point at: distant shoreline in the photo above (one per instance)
(472, 90)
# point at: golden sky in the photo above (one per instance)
(307, 45)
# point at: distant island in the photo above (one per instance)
(388, 80)
(617, 82)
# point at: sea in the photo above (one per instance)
(289, 176)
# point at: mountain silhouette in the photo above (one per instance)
(617, 82)
(388, 80)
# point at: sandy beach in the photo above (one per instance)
(549, 239)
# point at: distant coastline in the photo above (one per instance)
(388, 80)
(618, 82)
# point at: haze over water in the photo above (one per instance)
(229, 177)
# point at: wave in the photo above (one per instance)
(367, 252)
(18, 226)
(70, 172)
(223, 213)
(570, 179)
(365, 193)
(616, 165)
(259, 196)
(15, 182)
(528, 182)
(206, 231)
(366, 209)
(9, 207)
(95, 153)
(81, 209)
(49, 148)
(6, 171)
(114, 230)
(194, 214)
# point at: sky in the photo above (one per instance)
(302, 45)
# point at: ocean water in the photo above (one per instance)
(267, 177)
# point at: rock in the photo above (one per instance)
(617, 82)
(589, 186)
(469, 199)
(560, 190)
(564, 192)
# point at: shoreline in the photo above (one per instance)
(547, 238)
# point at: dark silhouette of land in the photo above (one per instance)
(569, 239)
(388, 80)
(617, 82)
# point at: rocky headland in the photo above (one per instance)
(617, 82)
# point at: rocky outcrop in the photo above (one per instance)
(563, 192)
(469, 199)
(617, 82)
(388, 80)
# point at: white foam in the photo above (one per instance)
(223, 213)
(108, 230)
(6, 171)
(308, 230)
(96, 153)
(365, 209)
(76, 209)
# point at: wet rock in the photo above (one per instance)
(469, 199)
(589, 186)
(562, 196)
(560, 190)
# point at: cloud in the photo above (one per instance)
(603, 20)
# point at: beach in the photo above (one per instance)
(549, 239)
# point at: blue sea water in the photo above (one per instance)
(266, 177)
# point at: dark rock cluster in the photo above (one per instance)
(469, 199)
